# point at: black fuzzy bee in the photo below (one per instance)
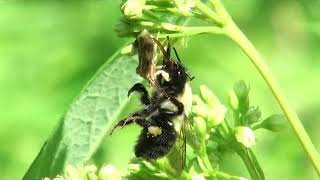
(162, 109)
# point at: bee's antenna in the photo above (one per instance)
(191, 78)
(166, 57)
(175, 51)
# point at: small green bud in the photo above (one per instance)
(146, 23)
(200, 127)
(241, 90)
(170, 27)
(132, 9)
(274, 123)
(233, 100)
(245, 136)
(253, 115)
(109, 172)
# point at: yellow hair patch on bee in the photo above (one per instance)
(154, 130)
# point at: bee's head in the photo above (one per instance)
(172, 76)
(177, 73)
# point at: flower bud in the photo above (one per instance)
(245, 136)
(200, 110)
(274, 123)
(253, 115)
(241, 90)
(208, 96)
(134, 167)
(90, 172)
(197, 100)
(216, 115)
(200, 127)
(233, 100)
(185, 5)
(242, 178)
(73, 173)
(132, 9)
(109, 172)
(198, 177)
(60, 178)
(170, 27)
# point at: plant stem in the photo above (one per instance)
(249, 165)
(205, 159)
(207, 12)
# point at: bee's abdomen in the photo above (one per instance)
(153, 147)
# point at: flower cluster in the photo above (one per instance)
(89, 172)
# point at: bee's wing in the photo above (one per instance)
(177, 157)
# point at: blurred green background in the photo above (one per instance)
(49, 50)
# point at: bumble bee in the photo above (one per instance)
(163, 114)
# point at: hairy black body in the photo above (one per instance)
(158, 134)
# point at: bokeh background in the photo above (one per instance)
(50, 49)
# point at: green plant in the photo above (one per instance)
(82, 128)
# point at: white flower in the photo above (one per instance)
(243, 178)
(109, 172)
(198, 177)
(245, 136)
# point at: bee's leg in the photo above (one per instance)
(141, 121)
(168, 47)
(141, 89)
(177, 103)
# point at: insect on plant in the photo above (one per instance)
(163, 116)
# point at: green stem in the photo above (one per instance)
(205, 159)
(208, 12)
(223, 175)
(249, 165)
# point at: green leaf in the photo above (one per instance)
(88, 119)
